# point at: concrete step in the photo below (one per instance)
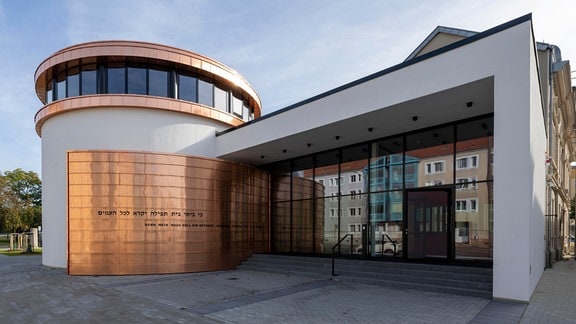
(463, 280)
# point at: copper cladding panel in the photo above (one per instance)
(131, 101)
(148, 213)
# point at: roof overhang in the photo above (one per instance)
(465, 101)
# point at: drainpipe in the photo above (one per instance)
(549, 50)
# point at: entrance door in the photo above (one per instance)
(427, 224)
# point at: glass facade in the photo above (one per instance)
(143, 79)
(425, 194)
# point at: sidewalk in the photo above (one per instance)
(554, 300)
(37, 294)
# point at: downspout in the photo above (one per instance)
(549, 262)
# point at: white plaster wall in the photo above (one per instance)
(519, 144)
(538, 149)
(108, 129)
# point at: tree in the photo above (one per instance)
(20, 200)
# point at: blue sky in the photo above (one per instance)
(289, 50)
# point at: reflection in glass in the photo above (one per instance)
(385, 173)
(327, 175)
(187, 88)
(474, 150)
(280, 181)
(220, 99)
(237, 106)
(205, 93)
(246, 112)
(49, 93)
(136, 80)
(61, 86)
(89, 81)
(116, 81)
(280, 227)
(332, 214)
(306, 217)
(158, 83)
(473, 222)
(302, 225)
(434, 150)
(353, 216)
(73, 82)
(302, 177)
(353, 202)
(360, 191)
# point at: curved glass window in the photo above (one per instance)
(61, 86)
(73, 83)
(246, 112)
(137, 80)
(158, 83)
(220, 99)
(237, 106)
(143, 79)
(116, 78)
(49, 92)
(205, 93)
(187, 88)
(88, 79)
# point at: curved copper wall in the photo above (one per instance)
(297, 225)
(145, 213)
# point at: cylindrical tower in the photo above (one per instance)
(128, 96)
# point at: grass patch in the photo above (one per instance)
(20, 252)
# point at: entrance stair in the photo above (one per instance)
(450, 279)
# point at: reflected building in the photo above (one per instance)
(388, 176)
(157, 160)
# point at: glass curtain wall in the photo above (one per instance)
(303, 211)
(353, 199)
(473, 189)
(357, 193)
(385, 182)
(327, 175)
(281, 195)
(429, 214)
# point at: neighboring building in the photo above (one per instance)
(157, 160)
(560, 122)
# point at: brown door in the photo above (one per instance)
(427, 222)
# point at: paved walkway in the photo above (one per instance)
(32, 293)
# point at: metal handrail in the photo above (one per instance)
(338, 244)
(394, 242)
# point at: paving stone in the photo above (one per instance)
(36, 294)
